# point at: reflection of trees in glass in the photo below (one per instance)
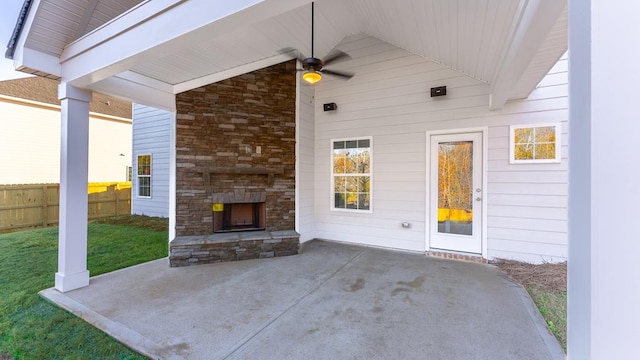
(144, 165)
(351, 169)
(533, 143)
(455, 176)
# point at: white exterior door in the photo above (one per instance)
(455, 205)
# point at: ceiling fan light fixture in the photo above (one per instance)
(311, 76)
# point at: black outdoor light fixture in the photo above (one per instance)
(329, 106)
(438, 91)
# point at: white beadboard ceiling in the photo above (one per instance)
(59, 22)
(469, 36)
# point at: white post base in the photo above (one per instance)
(68, 282)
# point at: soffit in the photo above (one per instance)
(60, 22)
(469, 36)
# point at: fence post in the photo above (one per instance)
(117, 199)
(45, 207)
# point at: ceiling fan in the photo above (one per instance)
(314, 68)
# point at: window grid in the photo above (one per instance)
(535, 144)
(351, 175)
(144, 175)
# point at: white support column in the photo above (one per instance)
(74, 154)
(172, 177)
(604, 180)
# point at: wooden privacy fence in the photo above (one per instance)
(31, 206)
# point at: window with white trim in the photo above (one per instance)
(144, 175)
(538, 143)
(351, 174)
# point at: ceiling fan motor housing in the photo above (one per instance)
(312, 64)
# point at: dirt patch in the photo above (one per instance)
(547, 276)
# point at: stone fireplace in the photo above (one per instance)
(235, 169)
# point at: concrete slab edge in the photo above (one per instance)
(123, 334)
(553, 346)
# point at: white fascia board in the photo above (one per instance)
(227, 74)
(135, 92)
(532, 29)
(156, 28)
(37, 60)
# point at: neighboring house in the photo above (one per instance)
(252, 147)
(30, 122)
(151, 142)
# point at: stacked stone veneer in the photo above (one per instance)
(191, 250)
(236, 139)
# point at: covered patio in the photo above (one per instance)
(333, 301)
(152, 51)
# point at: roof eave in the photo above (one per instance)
(17, 30)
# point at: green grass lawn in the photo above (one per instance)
(32, 328)
(553, 307)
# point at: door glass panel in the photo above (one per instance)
(455, 187)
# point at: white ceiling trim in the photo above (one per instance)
(130, 90)
(227, 74)
(537, 21)
(549, 53)
(145, 81)
(82, 26)
(125, 22)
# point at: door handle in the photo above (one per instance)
(478, 198)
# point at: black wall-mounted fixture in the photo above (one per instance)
(438, 91)
(329, 106)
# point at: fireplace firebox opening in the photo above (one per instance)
(239, 217)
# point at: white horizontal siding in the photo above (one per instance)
(388, 99)
(30, 148)
(151, 137)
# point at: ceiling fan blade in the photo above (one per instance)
(342, 74)
(335, 56)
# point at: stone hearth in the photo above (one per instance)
(193, 250)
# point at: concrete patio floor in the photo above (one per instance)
(333, 301)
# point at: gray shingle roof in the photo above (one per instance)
(46, 91)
